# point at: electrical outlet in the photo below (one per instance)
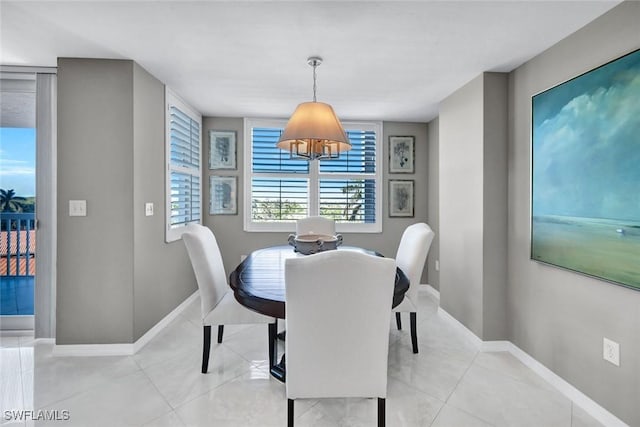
(148, 209)
(611, 351)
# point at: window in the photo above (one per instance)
(183, 154)
(279, 190)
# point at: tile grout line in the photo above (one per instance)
(161, 416)
(102, 383)
(437, 414)
(310, 408)
(161, 395)
(466, 371)
(21, 374)
(21, 384)
(458, 383)
(517, 379)
(209, 390)
(154, 364)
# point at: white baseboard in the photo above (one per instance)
(126, 349)
(155, 330)
(590, 406)
(15, 332)
(586, 403)
(45, 340)
(489, 346)
(470, 336)
(92, 350)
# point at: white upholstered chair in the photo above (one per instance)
(337, 326)
(316, 225)
(218, 304)
(410, 258)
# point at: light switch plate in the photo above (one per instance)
(148, 209)
(77, 208)
(611, 351)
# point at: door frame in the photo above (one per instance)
(43, 322)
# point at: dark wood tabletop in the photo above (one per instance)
(258, 282)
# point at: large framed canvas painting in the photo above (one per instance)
(586, 173)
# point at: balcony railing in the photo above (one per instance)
(17, 244)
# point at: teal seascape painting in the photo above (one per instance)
(586, 173)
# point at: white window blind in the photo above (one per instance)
(280, 190)
(184, 193)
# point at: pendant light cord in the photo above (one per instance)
(315, 65)
(314, 61)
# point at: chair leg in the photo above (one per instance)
(398, 321)
(206, 346)
(289, 412)
(220, 333)
(381, 412)
(414, 332)
(273, 348)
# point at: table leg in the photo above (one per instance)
(279, 371)
(273, 344)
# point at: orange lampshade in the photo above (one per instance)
(314, 131)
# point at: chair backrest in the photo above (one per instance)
(412, 254)
(207, 264)
(338, 313)
(316, 225)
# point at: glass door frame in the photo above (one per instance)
(43, 320)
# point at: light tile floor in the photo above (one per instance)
(448, 384)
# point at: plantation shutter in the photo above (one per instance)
(353, 198)
(278, 198)
(279, 190)
(184, 177)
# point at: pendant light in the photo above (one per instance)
(314, 131)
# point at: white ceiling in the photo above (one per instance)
(382, 60)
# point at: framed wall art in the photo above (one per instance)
(401, 154)
(585, 203)
(401, 198)
(222, 149)
(223, 194)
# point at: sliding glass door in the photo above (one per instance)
(17, 199)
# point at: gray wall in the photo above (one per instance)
(473, 205)
(95, 163)
(557, 316)
(461, 204)
(163, 276)
(433, 210)
(115, 276)
(494, 215)
(235, 242)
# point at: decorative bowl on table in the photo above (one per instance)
(308, 244)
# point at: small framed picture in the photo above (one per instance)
(223, 192)
(401, 152)
(401, 198)
(222, 149)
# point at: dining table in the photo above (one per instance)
(258, 284)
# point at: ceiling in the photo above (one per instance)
(388, 60)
